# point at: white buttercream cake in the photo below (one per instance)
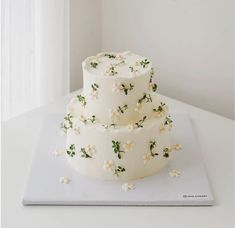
(118, 127)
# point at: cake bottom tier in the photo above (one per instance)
(109, 153)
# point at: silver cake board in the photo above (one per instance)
(190, 188)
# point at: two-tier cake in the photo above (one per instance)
(118, 128)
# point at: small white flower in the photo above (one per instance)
(127, 186)
(119, 57)
(71, 105)
(94, 94)
(174, 173)
(109, 165)
(64, 180)
(97, 59)
(90, 149)
(114, 114)
(105, 127)
(137, 63)
(111, 70)
(162, 129)
(76, 126)
(147, 157)
(158, 114)
(66, 124)
(138, 107)
(57, 152)
(82, 118)
(128, 146)
(177, 147)
(74, 100)
(116, 87)
(163, 112)
(131, 127)
(76, 130)
(133, 69)
(165, 108)
(170, 126)
(70, 108)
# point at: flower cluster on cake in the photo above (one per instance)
(118, 127)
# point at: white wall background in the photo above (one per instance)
(189, 42)
(85, 36)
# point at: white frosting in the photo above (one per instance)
(117, 127)
(135, 145)
(111, 94)
(125, 65)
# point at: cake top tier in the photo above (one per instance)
(111, 64)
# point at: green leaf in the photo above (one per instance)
(93, 64)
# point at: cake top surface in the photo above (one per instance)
(125, 64)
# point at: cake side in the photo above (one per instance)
(119, 152)
(118, 128)
(124, 97)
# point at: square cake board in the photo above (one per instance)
(190, 188)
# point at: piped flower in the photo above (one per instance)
(111, 70)
(82, 100)
(120, 57)
(174, 173)
(76, 126)
(82, 118)
(71, 105)
(138, 107)
(128, 146)
(161, 110)
(106, 127)
(64, 180)
(109, 165)
(94, 90)
(147, 157)
(90, 149)
(114, 114)
(162, 128)
(127, 187)
(94, 94)
(131, 127)
(134, 70)
(87, 151)
(116, 87)
(123, 88)
(57, 152)
(67, 123)
(177, 147)
(137, 63)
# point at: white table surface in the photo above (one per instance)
(19, 137)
